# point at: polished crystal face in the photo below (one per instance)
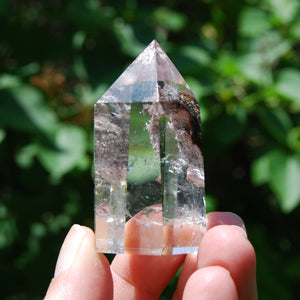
(149, 173)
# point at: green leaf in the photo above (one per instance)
(2, 135)
(89, 96)
(211, 203)
(253, 22)
(260, 169)
(79, 38)
(126, 36)
(294, 139)
(281, 171)
(172, 20)
(227, 64)
(295, 30)
(71, 143)
(24, 108)
(284, 179)
(25, 156)
(288, 84)
(196, 86)
(271, 46)
(9, 81)
(277, 122)
(79, 68)
(197, 54)
(284, 10)
(8, 228)
(89, 16)
(268, 48)
(29, 69)
(253, 68)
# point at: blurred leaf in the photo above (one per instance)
(2, 135)
(277, 122)
(88, 95)
(295, 30)
(126, 36)
(38, 230)
(80, 68)
(25, 156)
(172, 20)
(24, 108)
(253, 68)
(211, 203)
(281, 171)
(284, 179)
(253, 22)
(9, 81)
(8, 229)
(294, 139)
(89, 15)
(227, 64)
(79, 38)
(72, 206)
(284, 10)
(71, 143)
(84, 163)
(56, 223)
(29, 69)
(195, 85)
(288, 85)
(197, 54)
(260, 169)
(269, 47)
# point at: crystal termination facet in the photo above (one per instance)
(149, 173)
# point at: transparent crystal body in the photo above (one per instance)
(149, 173)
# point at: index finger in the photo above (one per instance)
(219, 247)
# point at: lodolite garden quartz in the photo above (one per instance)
(149, 173)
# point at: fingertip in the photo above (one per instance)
(227, 246)
(226, 242)
(214, 219)
(210, 283)
(80, 272)
(69, 249)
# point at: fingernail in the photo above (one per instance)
(242, 229)
(237, 221)
(227, 218)
(69, 249)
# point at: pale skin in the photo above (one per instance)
(224, 268)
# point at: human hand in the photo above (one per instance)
(224, 268)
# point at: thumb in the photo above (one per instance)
(80, 273)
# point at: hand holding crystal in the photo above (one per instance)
(223, 269)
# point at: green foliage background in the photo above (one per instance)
(241, 58)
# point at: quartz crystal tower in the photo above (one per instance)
(149, 174)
